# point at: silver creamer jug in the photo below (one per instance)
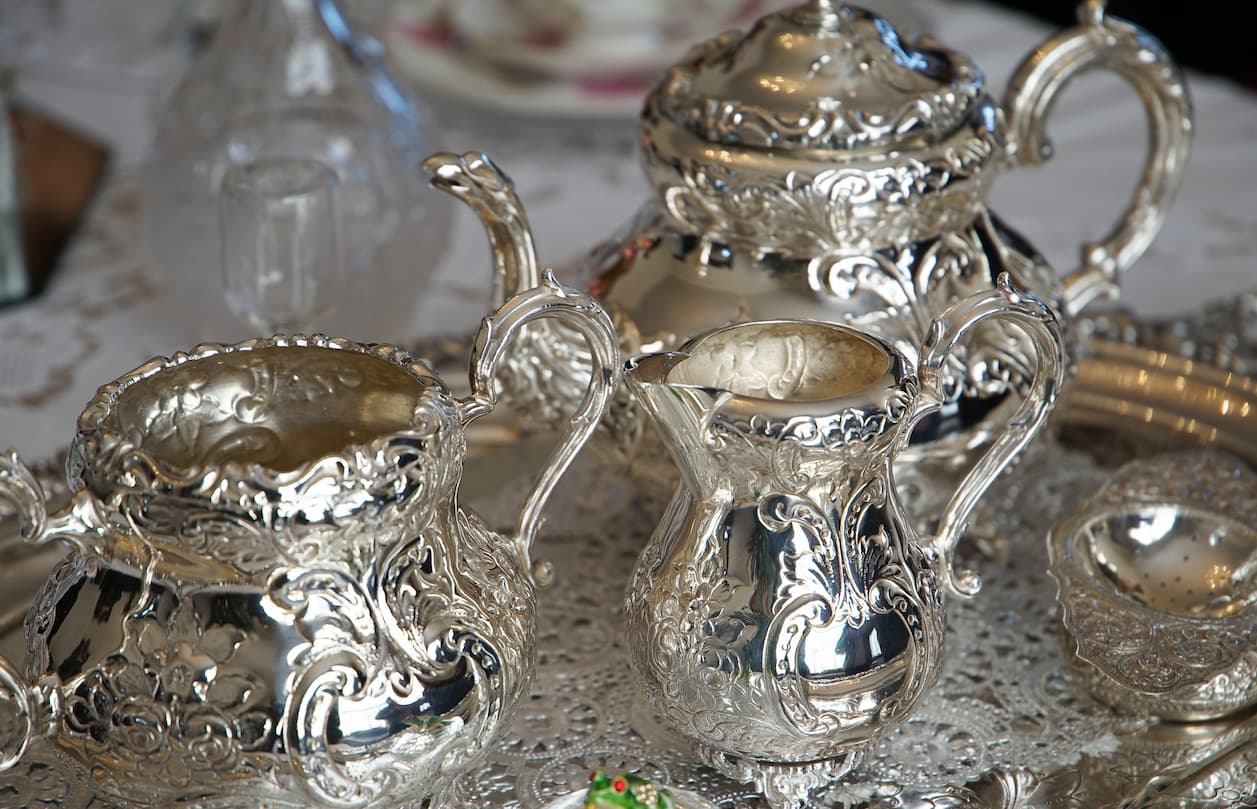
(785, 611)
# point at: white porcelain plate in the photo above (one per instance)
(584, 79)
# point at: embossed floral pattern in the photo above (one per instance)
(181, 409)
(175, 702)
(1004, 698)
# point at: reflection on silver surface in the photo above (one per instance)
(1197, 765)
(824, 166)
(1129, 387)
(1139, 552)
(581, 713)
(1003, 701)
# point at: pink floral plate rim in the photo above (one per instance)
(436, 65)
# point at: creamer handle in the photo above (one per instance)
(1103, 42)
(477, 181)
(581, 316)
(1033, 318)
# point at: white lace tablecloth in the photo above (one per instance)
(108, 310)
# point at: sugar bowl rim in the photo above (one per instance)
(103, 454)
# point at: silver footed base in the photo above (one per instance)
(784, 786)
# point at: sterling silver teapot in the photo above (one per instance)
(822, 167)
(273, 596)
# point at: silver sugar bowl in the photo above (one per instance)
(785, 612)
(273, 596)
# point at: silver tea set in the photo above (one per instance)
(273, 595)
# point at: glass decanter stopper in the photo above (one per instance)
(293, 79)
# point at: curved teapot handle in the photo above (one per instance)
(582, 317)
(37, 707)
(1101, 41)
(1031, 316)
(477, 181)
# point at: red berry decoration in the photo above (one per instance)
(620, 785)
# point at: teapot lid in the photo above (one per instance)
(819, 76)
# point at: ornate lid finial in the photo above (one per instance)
(822, 75)
(824, 9)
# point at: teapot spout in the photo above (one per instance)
(682, 414)
(81, 522)
(477, 181)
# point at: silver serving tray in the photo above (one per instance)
(1125, 400)
(1164, 397)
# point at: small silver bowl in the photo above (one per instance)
(1157, 577)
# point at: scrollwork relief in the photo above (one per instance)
(868, 62)
(699, 650)
(835, 209)
(1198, 662)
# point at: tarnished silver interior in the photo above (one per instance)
(280, 406)
(783, 361)
(1178, 560)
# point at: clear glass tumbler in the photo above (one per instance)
(281, 243)
(293, 78)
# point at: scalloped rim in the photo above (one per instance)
(1070, 567)
(675, 94)
(94, 440)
